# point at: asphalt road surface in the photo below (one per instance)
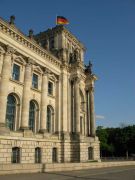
(111, 173)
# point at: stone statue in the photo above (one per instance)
(88, 68)
(12, 20)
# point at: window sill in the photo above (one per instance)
(37, 90)
(18, 82)
(50, 95)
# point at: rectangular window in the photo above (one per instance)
(50, 88)
(54, 155)
(35, 81)
(37, 155)
(16, 72)
(15, 155)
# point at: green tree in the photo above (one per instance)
(117, 141)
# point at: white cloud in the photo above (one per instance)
(100, 117)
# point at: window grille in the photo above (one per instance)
(54, 155)
(90, 153)
(37, 155)
(15, 155)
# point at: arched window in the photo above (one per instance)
(49, 119)
(32, 115)
(11, 112)
(15, 155)
(54, 155)
(90, 153)
(37, 155)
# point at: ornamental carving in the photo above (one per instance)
(76, 79)
(30, 61)
(90, 89)
(19, 59)
(10, 50)
(27, 42)
(2, 51)
(37, 69)
(46, 71)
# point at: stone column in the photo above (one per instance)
(59, 92)
(77, 104)
(64, 101)
(4, 83)
(72, 106)
(1, 59)
(92, 111)
(69, 105)
(44, 102)
(26, 96)
(87, 114)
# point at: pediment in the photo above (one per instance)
(52, 77)
(19, 59)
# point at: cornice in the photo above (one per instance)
(22, 39)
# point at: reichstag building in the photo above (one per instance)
(46, 98)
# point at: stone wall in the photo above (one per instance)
(30, 168)
(68, 150)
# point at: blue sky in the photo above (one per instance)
(107, 28)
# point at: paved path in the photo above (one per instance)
(111, 173)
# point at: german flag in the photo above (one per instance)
(61, 20)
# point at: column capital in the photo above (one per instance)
(59, 78)
(46, 71)
(90, 89)
(29, 61)
(9, 50)
(76, 79)
(2, 51)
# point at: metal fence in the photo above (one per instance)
(117, 159)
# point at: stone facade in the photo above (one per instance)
(46, 98)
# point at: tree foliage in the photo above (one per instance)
(116, 141)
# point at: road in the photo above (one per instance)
(111, 173)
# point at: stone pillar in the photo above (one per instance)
(77, 104)
(92, 111)
(88, 114)
(1, 59)
(4, 83)
(64, 101)
(26, 97)
(69, 105)
(44, 102)
(72, 123)
(59, 105)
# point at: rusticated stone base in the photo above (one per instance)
(69, 149)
